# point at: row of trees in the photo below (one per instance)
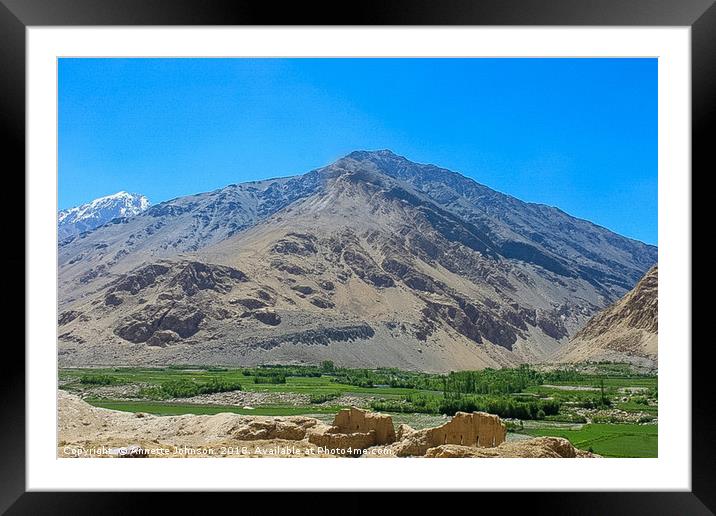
(97, 379)
(490, 381)
(503, 406)
(299, 371)
(276, 378)
(184, 388)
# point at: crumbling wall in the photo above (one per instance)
(355, 428)
(291, 429)
(478, 429)
(333, 440)
(354, 420)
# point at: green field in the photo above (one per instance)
(294, 384)
(175, 409)
(603, 409)
(609, 440)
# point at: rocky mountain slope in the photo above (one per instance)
(625, 331)
(371, 261)
(79, 219)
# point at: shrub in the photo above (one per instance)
(179, 389)
(218, 385)
(96, 379)
(594, 403)
(383, 405)
(514, 426)
(322, 398)
(154, 393)
(183, 388)
(327, 366)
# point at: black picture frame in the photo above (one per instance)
(17, 15)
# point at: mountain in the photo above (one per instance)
(626, 331)
(371, 261)
(73, 221)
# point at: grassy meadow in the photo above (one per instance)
(606, 408)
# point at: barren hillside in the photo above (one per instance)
(371, 261)
(625, 331)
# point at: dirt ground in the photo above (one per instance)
(85, 431)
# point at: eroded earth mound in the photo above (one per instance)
(87, 431)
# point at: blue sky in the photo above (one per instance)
(580, 134)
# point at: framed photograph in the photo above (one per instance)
(264, 247)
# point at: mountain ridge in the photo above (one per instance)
(626, 330)
(97, 212)
(431, 271)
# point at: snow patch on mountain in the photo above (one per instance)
(96, 213)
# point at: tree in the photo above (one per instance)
(603, 400)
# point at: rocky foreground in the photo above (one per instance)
(87, 431)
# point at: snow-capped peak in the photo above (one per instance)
(98, 212)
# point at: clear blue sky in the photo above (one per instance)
(580, 134)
